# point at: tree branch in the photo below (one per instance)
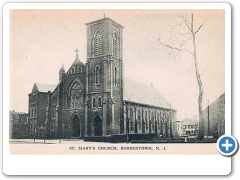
(186, 23)
(199, 27)
(174, 48)
(192, 24)
(184, 33)
(185, 41)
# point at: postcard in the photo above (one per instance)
(100, 84)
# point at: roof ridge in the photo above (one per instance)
(144, 93)
(44, 87)
(102, 19)
(18, 112)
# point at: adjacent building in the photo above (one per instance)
(214, 118)
(18, 125)
(190, 126)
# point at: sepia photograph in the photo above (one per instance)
(116, 80)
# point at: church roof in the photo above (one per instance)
(140, 93)
(77, 61)
(43, 87)
(14, 112)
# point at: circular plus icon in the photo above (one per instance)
(227, 145)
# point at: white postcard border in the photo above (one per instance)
(114, 164)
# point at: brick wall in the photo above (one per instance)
(216, 118)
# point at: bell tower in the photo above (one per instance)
(104, 75)
(104, 37)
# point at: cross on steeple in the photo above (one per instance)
(76, 50)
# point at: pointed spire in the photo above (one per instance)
(62, 69)
(77, 57)
(35, 88)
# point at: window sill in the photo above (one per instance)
(96, 108)
(32, 118)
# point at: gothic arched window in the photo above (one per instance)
(97, 74)
(94, 103)
(32, 112)
(97, 44)
(131, 119)
(53, 111)
(35, 128)
(99, 102)
(152, 117)
(114, 44)
(80, 69)
(161, 116)
(30, 128)
(159, 119)
(164, 117)
(115, 76)
(139, 118)
(146, 119)
(76, 94)
(35, 111)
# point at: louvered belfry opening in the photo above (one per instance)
(97, 44)
(115, 44)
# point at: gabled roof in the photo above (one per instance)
(190, 121)
(140, 93)
(43, 88)
(14, 112)
(77, 61)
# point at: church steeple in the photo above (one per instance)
(62, 69)
(61, 72)
(104, 38)
(104, 71)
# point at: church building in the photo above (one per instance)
(94, 99)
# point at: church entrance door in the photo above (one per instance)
(75, 127)
(97, 126)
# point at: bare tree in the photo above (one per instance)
(192, 37)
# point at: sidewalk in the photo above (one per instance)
(46, 141)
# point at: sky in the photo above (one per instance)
(41, 40)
